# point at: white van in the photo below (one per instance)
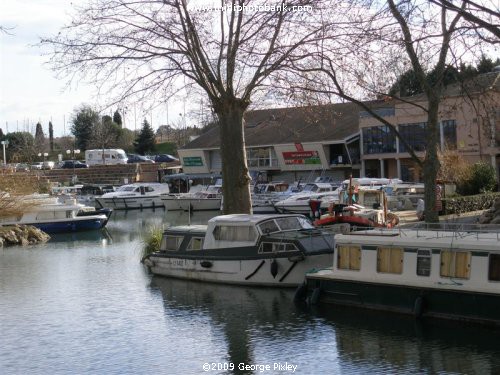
(105, 156)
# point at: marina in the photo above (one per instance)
(83, 303)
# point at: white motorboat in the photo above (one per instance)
(138, 195)
(299, 203)
(272, 250)
(208, 199)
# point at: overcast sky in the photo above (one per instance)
(29, 90)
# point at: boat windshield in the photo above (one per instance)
(284, 224)
(126, 188)
(310, 187)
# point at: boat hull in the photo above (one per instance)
(190, 204)
(258, 272)
(88, 223)
(417, 301)
(129, 203)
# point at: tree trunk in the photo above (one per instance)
(431, 162)
(235, 177)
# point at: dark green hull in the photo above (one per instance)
(421, 302)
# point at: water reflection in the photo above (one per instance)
(243, 315)
(77, 238)
(262, 325)
(392, 342)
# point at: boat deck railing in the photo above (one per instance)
(436, 230)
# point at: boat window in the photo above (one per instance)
(494, 268)
(370, 199)
(268, 227)
(276, 247)
(148, 189)
(455, 264)
(234, 233)
(288, 223)
(349, 257)
(389, 260)
(424, 262)
(45, 215)
(196, 243)
(171, 243)
(126, 188)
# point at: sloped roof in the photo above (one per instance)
(333, 122)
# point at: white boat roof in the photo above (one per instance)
(188, 228)
(485, 239)
(246, 219)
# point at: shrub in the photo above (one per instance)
(482, 179)
(151, 241)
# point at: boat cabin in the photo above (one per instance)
(268, 234)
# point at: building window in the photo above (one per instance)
(424, 262)
(261, 157)
(494, 268)
(349, 258)
(414, 135)
(450, 134)
(378, 139)
(389, 260)
(455, 264)
(382, 112)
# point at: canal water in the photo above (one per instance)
(83, 304)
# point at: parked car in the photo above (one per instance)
(21, 167)
(37, 165)
(48, 165)
(133, 158)
(73, 164)
(165, 158)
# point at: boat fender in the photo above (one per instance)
(418, 307)
(148, 262)
(274, 268)
(206, 264)
(315, 296)
(300, 293)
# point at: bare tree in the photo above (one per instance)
(392, 37)
(231, 55)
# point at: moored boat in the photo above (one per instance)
(208, 199)
(272, 250)
(444, 273)
(138, 195)
(62, 218)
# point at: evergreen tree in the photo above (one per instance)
(84, 120)
(51, 136)
(39, 137)
(145, 141)
(117, 118)
(1, 134)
